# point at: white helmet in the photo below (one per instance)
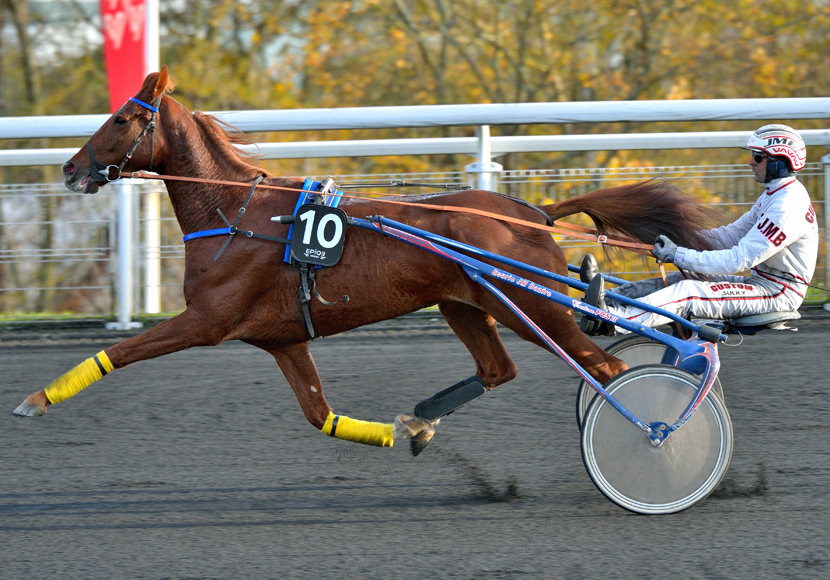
(780, 141)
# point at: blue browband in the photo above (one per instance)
(143, 104)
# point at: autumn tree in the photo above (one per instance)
(354, 53)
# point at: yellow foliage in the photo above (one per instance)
(343, 53)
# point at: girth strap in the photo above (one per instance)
(306, 287)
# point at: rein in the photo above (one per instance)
(559, 227)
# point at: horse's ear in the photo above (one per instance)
(161, 83)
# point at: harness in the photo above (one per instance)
(232, 230)
(104, 170)
(316, 235)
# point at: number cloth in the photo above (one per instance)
(309, 187)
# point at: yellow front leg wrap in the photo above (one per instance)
(343, 427)
(79, 378)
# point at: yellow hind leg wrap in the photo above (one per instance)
(342, 427)
(79, 378)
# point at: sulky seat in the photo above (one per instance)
(770, 320)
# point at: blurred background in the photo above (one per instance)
(57, 248)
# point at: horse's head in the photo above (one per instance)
(125, 142)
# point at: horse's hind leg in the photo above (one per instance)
(299, 369)
(477, 330)
(559, 324)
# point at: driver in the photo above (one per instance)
(776, 240)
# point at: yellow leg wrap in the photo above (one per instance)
(79, 378)
(343, 427)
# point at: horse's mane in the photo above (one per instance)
(218, 133)
(221, 132)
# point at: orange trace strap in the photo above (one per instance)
(558, 227)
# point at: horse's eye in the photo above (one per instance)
(119, 120)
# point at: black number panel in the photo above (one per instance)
(319, 235)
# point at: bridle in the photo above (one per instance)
(104, 170)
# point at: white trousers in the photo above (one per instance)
(719, 298)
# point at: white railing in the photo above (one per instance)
(457, 116)
(471, 146)
(84, 272)
(483, 147)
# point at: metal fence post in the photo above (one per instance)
(825, 160)
(485, 170)
(152, 211)
(152, 256)
(125, 248)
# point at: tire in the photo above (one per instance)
(644, 479)
(634, 351)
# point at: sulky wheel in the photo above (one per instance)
(634, 474)
(633, 351)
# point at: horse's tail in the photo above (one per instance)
(642, 211)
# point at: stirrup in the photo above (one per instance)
(595, 327)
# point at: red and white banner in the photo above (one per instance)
(123, 25)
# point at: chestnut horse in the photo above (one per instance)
(251, 294)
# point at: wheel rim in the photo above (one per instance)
(634, 351)
(642, 478)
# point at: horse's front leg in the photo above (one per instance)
(299, 369)
(178, 333)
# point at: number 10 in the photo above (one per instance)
(308, 217)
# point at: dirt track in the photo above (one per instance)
(201, 465)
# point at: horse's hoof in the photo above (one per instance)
(28, 410)
(407, 426)
(420, 441)
(419, 432)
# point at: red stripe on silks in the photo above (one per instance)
(705, 299)
(778, 280)
(781, 187)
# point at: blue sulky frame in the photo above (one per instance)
(697, 355)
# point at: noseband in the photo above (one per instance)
(104, 170)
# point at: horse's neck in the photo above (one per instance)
(199, 156)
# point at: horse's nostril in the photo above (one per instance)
(68, 169)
